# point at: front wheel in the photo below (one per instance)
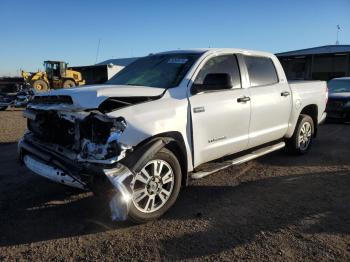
(155, 188)
(301, 141)
(3, 108)
(40, 85)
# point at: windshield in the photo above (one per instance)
(339, 86)
(48, 67)
(162, 71)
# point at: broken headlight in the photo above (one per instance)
(98, 148)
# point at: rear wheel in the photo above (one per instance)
(301, 141)
(155, 188)
(40, 85)
(68, 83)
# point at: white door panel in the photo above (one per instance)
(220, 124)
(270, 112)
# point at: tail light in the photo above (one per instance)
(326, 94)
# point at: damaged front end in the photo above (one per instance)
(92, 136)
(79, 149)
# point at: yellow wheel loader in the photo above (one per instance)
(55, 76)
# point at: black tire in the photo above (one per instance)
(40, 86)
(293, 144)
(137, 216)
(3, 108)
(68, 83)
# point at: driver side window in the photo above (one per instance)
(220, 65)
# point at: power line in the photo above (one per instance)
(98, 50)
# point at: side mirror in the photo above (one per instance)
(213, 82)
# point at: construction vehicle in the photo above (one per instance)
(55, 76)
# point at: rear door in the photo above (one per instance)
(220, 123)
(271, 101)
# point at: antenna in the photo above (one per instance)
(98, 49)
(338, 29)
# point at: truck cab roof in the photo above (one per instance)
(220, 50)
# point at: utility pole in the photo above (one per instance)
(98, 49)
(338, 29)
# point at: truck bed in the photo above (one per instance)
(310, 92)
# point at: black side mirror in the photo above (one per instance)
(213, 82)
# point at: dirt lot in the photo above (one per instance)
(275, 208)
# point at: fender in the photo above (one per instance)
(137, 159)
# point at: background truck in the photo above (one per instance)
(167, 118)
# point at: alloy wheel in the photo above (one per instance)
(305, 136)
(153, 186)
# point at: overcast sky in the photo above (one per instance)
(36, 30)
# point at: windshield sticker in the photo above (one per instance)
(177, 61)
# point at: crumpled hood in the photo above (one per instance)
(343, 95)
(90, 97)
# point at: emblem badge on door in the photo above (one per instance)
(199, 109)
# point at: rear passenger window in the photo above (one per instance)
(261, 71)
(221, 64)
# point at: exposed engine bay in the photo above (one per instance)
(91, 135)
(88, 133)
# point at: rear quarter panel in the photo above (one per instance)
(306, 93)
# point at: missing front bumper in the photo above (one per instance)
(52, 173)
(117, 177)
(48, 166)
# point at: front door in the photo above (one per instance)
(220, 119)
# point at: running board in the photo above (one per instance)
(239, 160)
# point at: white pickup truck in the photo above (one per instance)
(166, 118)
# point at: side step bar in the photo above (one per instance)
(240, 160)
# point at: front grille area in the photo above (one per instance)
(50, 128)
(52, 100)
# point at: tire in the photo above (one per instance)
(40, 86)
(68, 83)
(3, 108)
(301, 141)
(137, 211)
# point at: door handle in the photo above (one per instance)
(243, 99)
(285, 93)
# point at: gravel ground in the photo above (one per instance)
(275, 208)
(12, 125)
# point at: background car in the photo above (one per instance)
(338, 106)
(23, 97)
(5, 101)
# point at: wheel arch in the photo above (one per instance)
(173, 141)
(312, 111)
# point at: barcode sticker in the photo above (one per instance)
(177, 61)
